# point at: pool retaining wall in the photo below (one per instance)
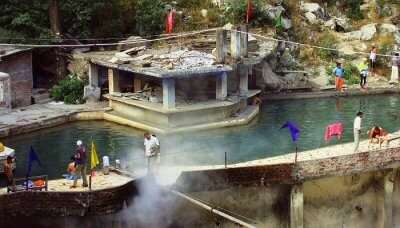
(98, 202)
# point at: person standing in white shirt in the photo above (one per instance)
(151, 152)
(357, 130)
(372, 59)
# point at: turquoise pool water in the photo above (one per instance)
(262, 138)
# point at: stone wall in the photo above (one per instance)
(99, 202)
(19, 66)
(265, 206)
(356, 190)
(350, 164)
(211, 180)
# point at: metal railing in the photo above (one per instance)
(23, 184)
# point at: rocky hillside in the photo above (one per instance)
(350, 33)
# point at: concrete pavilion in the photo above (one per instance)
(175, 89)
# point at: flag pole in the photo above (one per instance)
(90, 176)
(295, 156)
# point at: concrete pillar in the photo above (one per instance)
(93, 75)
(252, 78)
(222, 86)
(220, 46)
(113, 81)
(235, 43)
(396, 196)
(296, 206)
(137, 85)
(5, 93)
(387, 210)
(243, 72)
(244, 38)
(168, 93)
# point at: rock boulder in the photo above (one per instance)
(385, 29)
(368, 31)
(338, 24)
(269, 79)
(311, 18)
(310, 7)
(397, 37)
(313, 8)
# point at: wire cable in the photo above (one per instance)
(178, 36)
(302, 44)
(108, 44)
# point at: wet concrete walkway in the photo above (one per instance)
(310, 155)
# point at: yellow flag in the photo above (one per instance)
(94, 159)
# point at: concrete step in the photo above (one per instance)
(44, 101)
(41, 98)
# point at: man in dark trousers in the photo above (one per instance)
(80, 162)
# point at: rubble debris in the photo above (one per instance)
(131, 42)
(134, 50)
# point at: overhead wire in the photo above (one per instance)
(303, 44)
(108, 44)
(86, 39)
(169, 37)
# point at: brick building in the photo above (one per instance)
(18, 64)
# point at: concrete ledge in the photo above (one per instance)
(243, 118)
(16, 129)
(131, 123)
(12, 130)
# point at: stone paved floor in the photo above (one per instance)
(99, 181)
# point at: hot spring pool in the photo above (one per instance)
(262, 138)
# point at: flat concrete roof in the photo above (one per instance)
(162, 63)
(159, 72)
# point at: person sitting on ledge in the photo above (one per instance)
(378, 135)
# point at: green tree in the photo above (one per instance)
(354, 10)
(25, 18)
(150, 16)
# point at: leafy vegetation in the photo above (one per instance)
(354, 10)
(351, 74)
(235, 12)
(26, 17)
(69, 90)
(82, 19)
(327, 40)
(150, 16)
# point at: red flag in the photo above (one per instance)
(249, 13)
(170, 21)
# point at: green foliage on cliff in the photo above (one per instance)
(353, 10)
(69, 90)
(327, 40)
(236, 11)
(150, 16)
(351, 74)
